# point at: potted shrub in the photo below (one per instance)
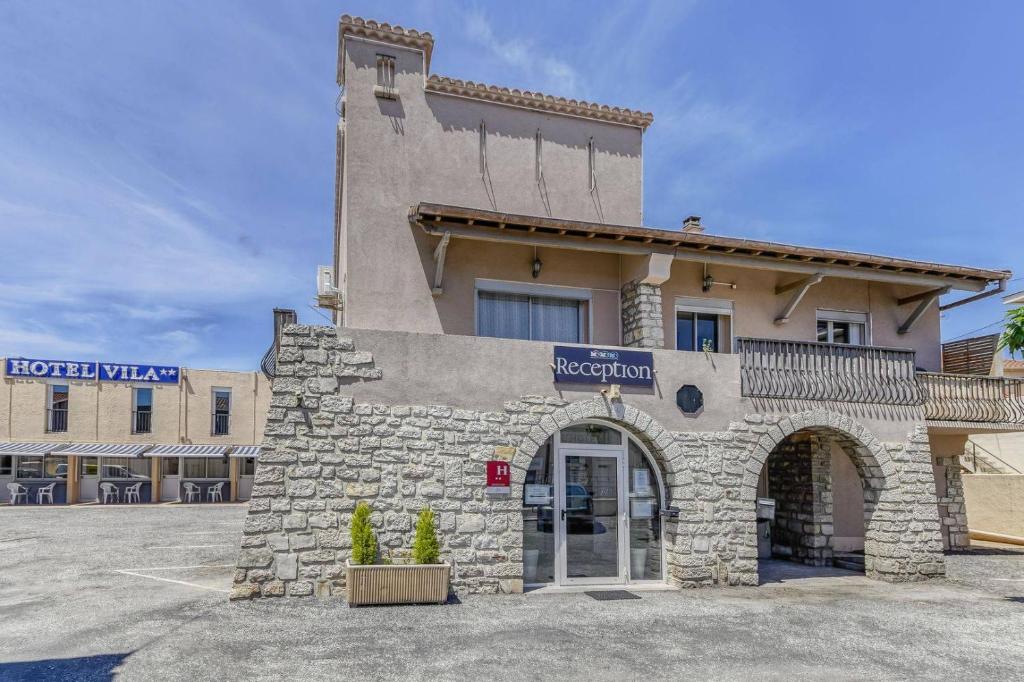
(425, 581)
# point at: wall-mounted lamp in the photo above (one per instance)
(709, 282)
(537, 264)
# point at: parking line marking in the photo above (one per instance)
(177, 582)
(175, 568)
(187, 546)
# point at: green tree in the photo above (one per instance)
(425, 548)
(1013, 336)
(364, 541)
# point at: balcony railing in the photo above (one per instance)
(57, 420)
(803, 370)
(221, 424)
(962, 397)
(142, 421)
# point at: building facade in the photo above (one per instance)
(672, 404)
(94, 429)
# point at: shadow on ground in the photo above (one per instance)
(82, 669)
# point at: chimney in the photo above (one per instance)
(692, 225)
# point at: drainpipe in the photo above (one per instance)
(1000, 288)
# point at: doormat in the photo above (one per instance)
(611, 595)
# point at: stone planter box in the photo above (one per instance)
(397, 584)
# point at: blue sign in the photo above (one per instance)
(603, 366)
(66, 369)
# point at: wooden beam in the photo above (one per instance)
(932, 297)
(801, 288)
(931, 293)
(439, 255)
(783, 288)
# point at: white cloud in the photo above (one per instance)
(552, 75)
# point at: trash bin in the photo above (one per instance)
(764, 540)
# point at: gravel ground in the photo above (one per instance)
(140, 594)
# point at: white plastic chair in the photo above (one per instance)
(110, 491)
(47, 492)
(132, 493)
(192, 491)
(17, 490)
(213, 493)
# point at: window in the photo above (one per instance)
(6, 464)
(90, 467)
(385, 77)
(57, 408)
(532, 317)
(169, 465)
(55, 466)
(136, 468)
(249, 466)
(142, 410)
(221, 411)
(836, 326)
(30, 466)
(206, 467)
(703, 324)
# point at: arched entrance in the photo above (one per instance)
(901, 525)
(813, 502)
(593, 509)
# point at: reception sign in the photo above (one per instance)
(102, 371)
(603, 366)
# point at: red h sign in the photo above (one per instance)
(499, 475)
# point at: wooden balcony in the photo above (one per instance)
(804, 370)
(966, 398)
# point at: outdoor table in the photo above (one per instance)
(123, 483)
(204, 485)
(60, 491)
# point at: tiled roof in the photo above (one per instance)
(385, 32)
(539, 101)
(619, 237)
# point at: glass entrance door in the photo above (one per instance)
(590, 503)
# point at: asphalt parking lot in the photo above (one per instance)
(94, 593)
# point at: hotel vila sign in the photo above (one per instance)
(603, 366)
(102, 371)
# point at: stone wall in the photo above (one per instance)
(324, 450)
(952, 504)
(800, 482)
(642, 325)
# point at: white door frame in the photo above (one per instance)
(621, 453)
(617, 452)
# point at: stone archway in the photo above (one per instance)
(659, 445)
(901, 526)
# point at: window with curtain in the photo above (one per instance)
(536, 318)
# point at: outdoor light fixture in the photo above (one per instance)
(536, 265)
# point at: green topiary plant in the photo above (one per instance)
(425, 548)
(364, 541)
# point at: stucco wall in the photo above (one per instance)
(102, 411)
(480, 373)
(995, 503)
(426, 147)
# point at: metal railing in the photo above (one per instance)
(269, 362)
(57, 420)
(967, 398)
(980, 460)
(804, 370)
(221, 424)
(142, 421)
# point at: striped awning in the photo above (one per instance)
(106, 449)
(188, 451)
(30, 448)
(245, 451)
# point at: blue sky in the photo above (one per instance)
(166, 169)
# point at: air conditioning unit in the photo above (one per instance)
(326, 292)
